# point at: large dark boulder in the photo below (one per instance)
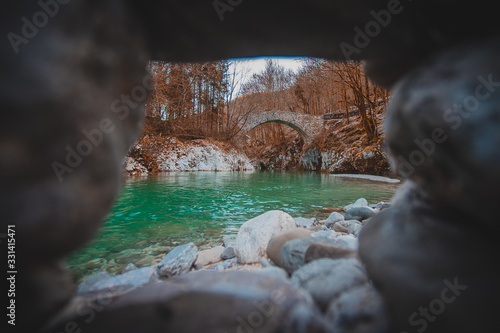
(202, 301)
(442, 129)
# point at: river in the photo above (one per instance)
(153, 214)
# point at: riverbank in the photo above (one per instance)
(341, 148)
(153, 214)
(151, 155)
(315, 258)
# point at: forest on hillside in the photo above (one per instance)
(211, 100)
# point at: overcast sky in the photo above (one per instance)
(249, 66)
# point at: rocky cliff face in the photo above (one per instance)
(370, 159)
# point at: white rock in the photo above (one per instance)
(130, 165)
(361, 202)
(368, 177)
(254, 235)
(333, 218)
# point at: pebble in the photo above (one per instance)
(228, 253)
(343, 226)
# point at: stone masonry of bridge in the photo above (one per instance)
(308, 126)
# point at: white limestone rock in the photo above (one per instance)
(254, 235)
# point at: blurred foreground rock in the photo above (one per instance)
(72, 90)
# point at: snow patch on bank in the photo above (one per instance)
(133, 167)
(368, 177)
(202, 156)
(170, 154)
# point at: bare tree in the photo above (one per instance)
(271, 90)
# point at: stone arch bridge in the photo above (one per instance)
(308, 126)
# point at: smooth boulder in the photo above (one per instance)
(327, 279)
(361, 202)
(254, 235)
(206, 301)
(359, 213)
(317, 251)
(333, 218)
(276, 243)
(292, 253)
(358, 310)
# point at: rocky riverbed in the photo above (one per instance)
(315, 262)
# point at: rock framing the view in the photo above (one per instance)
(72, 91)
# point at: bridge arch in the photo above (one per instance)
(289, 124)
(308, 126)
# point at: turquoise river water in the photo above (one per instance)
(153, 214)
